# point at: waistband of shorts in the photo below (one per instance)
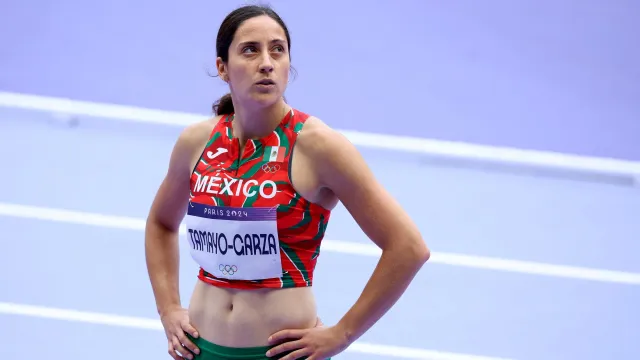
(209, 350)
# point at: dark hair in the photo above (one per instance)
(227, 31)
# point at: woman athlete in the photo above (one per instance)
(256, 185)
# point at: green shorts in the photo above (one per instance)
(211, 351)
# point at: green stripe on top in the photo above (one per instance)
(213, 139)
(252, 171)
(292, 203)
(306, 217)
(284, 140)
(316, 253)
(256, 152)
(287, 281)
(296, 261)
(322, 227)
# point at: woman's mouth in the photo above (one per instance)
(266, 84)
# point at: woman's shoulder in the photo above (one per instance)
(193, 137)
(319, 139)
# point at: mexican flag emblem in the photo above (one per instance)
(274, 153)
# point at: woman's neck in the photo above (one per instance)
(259, 122)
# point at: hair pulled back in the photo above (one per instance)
(226, 33)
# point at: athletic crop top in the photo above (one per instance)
(247, 227)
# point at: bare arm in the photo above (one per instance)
(342, 169)
(166, 214)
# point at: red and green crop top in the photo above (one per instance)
(246, 225)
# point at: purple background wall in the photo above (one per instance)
(558, 75)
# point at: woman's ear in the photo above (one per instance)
(222, 70)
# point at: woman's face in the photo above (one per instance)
(259, 62)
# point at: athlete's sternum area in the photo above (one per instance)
(245, 318)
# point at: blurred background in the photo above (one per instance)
(509, 130)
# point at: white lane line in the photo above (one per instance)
(450, 149)
(344, 247)
(153, 324)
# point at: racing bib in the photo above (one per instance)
(234, 243)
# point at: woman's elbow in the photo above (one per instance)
(414, 250)
(417, 246)
(421, 251)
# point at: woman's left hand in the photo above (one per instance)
(317, 343)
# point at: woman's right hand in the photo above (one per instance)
(176, 324)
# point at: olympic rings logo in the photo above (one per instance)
(228, 269)
(270, 168)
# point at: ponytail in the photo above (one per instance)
(224, 105)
